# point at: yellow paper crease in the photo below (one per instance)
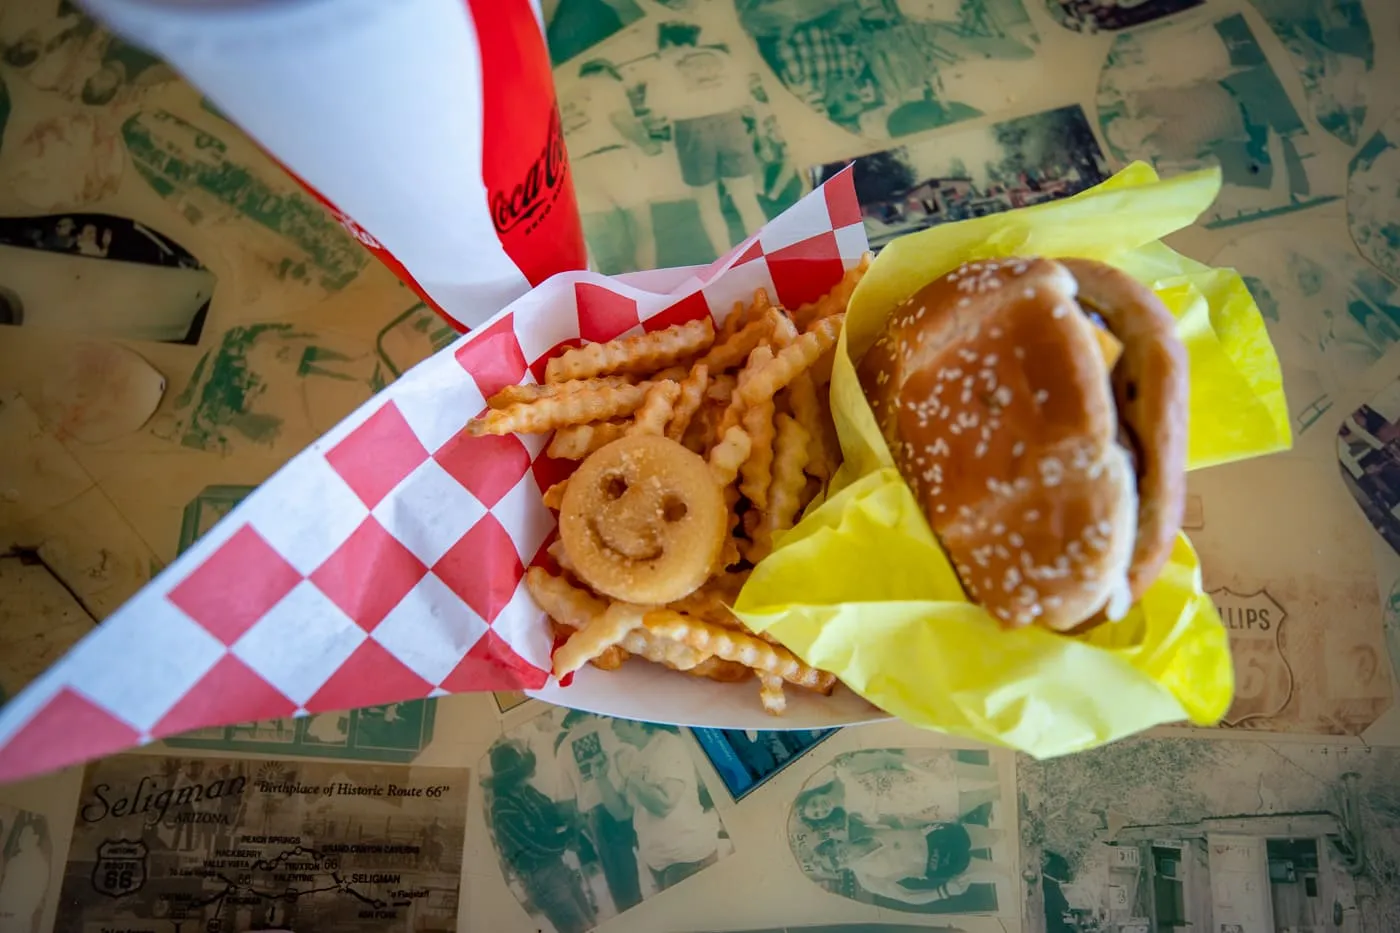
(861, 588)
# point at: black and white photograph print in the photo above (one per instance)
(747, 759)
(919, 830)
(572, 27)
(1091, 16)
(101, 275)
(890, 68)
(1202, 93)
(960, 174)
(590, 816)
(1368, 449)
(1153, 835)
(677, 153)
(25, 854)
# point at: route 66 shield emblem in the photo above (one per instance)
(120, 868)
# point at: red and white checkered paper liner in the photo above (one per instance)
(385, 562)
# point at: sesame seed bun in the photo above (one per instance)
(1055, 486)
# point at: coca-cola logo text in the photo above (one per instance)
(540, 186)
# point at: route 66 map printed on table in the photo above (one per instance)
(165, 845)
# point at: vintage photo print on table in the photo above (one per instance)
(963, 173)
(920, 830)
(1368, 448)
(1288, 559)
(1148, 835)
(572, 27)
(1199, 93)
(888, 68)
(63, 51)
(1330, 43)
(393, 732)
(26, 858)
(1373, 198)
(226, 844)
(676, 150)
(589, 815)
(1111, 15)
(1331, 316)
(747, 759)
(58, 269)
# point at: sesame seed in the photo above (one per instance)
(1060, 311)
(1017, 449)
(964, 302)
(1015, 539)
(1030, 293)
(1033, 515)
(980, 450)
(1051, 471)
(1002, 396)
(994, 332)
(1020, 353)
(1041, 396)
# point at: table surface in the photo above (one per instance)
(187, 320)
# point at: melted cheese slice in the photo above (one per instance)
(1109, 346)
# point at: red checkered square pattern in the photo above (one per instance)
(234, 588)
(377, 455)
(412, 600)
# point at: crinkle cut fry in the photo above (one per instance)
(574, 608)
(692, 396)
(559, 411)
(770, 694)
(806, 408)
(656, 409)
(785, 493)
(600, 634)
(730, 645)
(576, 441)
(637, 354)
(729, 454)
(761, 357)
(530, 392)
(756, 473)
(553, 497)
(733, 351)
(835, 300)
(732, 323)
(783, 329)
(790, 362)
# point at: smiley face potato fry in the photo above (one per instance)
(643, 521)
(682, 483)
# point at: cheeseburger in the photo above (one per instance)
(1037, 409)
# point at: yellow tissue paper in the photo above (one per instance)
(861, 588)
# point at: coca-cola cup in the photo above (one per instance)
(428, 127)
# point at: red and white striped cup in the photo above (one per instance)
(431, 123)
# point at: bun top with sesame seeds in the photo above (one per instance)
(1052, 473)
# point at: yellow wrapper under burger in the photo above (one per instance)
(861, 588)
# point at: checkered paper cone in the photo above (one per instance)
(385, 562)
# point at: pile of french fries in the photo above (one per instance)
(750, 398)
